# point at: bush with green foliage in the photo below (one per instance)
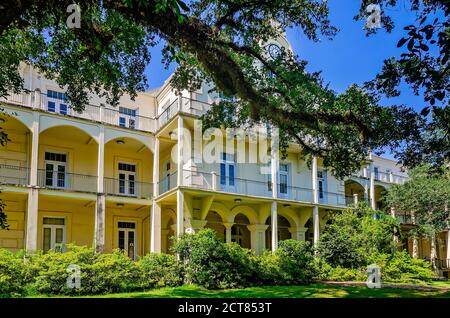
(210, 263)
(159, 270)
(400, 267)
(355, 234)
(100, 273)
(296, 261)
(13, 273)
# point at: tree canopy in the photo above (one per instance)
(427, 195)
(222, 42)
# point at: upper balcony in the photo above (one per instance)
(211, 181)
(387, 177)
(119, 116)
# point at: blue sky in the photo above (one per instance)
(350, 57)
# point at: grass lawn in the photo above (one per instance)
(307, 291)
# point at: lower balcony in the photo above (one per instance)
(14, 175)
(129, 188)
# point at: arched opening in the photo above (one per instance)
(15, 157)
(66, 157)
(283, 230)
(167, 232)
(379, 194)
(351, 188)
(239, 231)
(309, 234)
(215, 222)
(128, 168)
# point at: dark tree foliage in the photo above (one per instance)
(221, 42)
(425, 67)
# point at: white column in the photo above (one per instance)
(155, 231)
(274, 168)
(257, 237)
(32, 220)
(316, 221)
(100, 215)
(372, 187)
(355, 198)
(34, 150)
(155, 222)
(100, 204)
(180, 152)
(228, 227)
(448, 244)
(415, 251)
(298, 233)
(33, 194)
(180, 213)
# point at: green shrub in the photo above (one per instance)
(159, 270)
(400, 267)
(13, 273)
(210, 263)
(296, 259)
(100, 273)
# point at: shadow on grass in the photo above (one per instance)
(306, 291)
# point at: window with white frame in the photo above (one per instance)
(55, 169)
(227, 171)
(57, 102)
(54, 233)
(127, 178)
(127, 117)
(284, 179)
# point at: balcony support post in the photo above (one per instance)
(155, 239)
(257, 237)
(275, 162)
(32, 220)
(180, 151)
(34, 156)
(372, 184)
(180, 213)
(100, 214)
(316, 221)
(100, 204)
(228, 227)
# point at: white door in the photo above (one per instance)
(55, 170)
(227, 173)
(54, 233)
(166, 177)
(127, 238)
(127, 179)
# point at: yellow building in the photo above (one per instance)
(125, 177)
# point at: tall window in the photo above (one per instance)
(376, 173)
(322, 185)
(127, 238)
(54, 233)
(284, 179)
(55, 169)
(56, 102)
(227, 172)
(127, 117)
(127, 178)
